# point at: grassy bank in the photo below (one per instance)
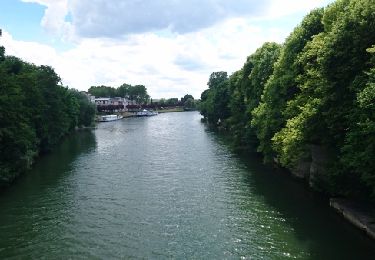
(175, 109)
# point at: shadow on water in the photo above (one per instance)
(49, 168)
(34, 208)
(315, 224)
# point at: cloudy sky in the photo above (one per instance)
(170, 46)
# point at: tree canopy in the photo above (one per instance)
(36, 112)
(137, 93)
(316, 90)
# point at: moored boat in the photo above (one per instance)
(109, 118)
(145, 112)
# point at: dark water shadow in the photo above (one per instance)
(52, 167)
(315, 224)
(34, 208)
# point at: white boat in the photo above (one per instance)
(109, 118)
(145, 112)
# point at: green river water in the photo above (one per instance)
(166, 187)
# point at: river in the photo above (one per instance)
(166, 187)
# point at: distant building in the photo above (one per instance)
(102, 101)
(116, 104)
(132, 102)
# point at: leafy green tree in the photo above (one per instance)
(171, 102)
(189, 104)
(330, 109)
(2, 53)
(123, 90)
(246, 87)
(359, 147)
(215, 101)
(186, 97)
(204, 103)
(301, 112)
(320, 93)
(162, 102)
(86, 110)
(139, 94)
(238, 117)
(36, 112)
(17, 138)
(216, 79)
(268, 116)
(102, 91)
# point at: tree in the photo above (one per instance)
(139, 94)
(2, 53)
(189, 104)
(171, 102)
(85, 109)
(102, 91)
(217, 78)
(357, 153)
(36, 112)
(268, 116)
(123, 90)
(186, 97)
(331, 108)
(17, 138)
(214, 106)
(238, 118)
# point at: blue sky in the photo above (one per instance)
(171, 46)
(22, 19)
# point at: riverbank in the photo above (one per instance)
(123, 114)
(168, 110)
(357, 213)
(360, 215)
(95, 197)
(133, 114)
(312, 171)
(303, 106)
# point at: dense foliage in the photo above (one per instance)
(310, 100)
(138, 93)
(215, 100)
(35, 113)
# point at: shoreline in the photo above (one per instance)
(359, 215)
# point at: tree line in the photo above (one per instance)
(138, 93)
(309, 99)
(36, 112)
(187, 102)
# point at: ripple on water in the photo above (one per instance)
(160, 187)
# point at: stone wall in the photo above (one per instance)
(314, 168)
(319, 161)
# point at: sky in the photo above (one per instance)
(170, 46)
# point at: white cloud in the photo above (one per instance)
(168, 64)
(30, 51)
(281, 8)
(152, 60)
(54, 17)
(116, 18)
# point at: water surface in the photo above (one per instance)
(166, 187)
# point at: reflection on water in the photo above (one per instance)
(35, 208)
(165, 187)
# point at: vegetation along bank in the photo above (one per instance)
(36, 112)
(309, 104)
